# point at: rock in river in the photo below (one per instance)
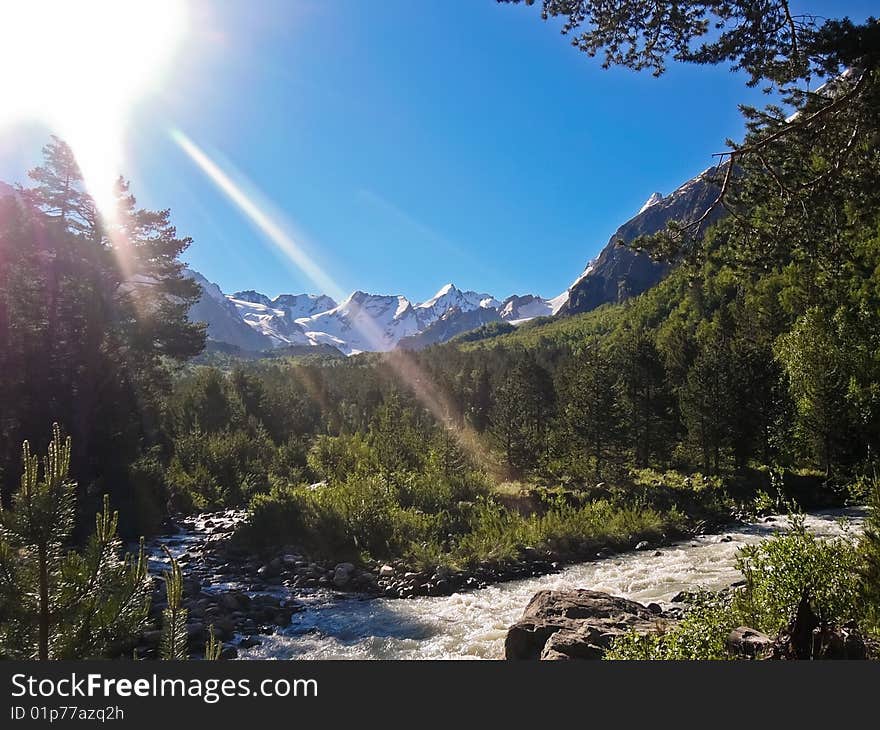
(579, 624)
(342, 575)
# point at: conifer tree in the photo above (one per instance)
(93, 308)
(174, 645)
(591, 409)
(55, 602)
(213, 647)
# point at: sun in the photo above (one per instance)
(79, 66)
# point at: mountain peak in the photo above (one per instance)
(446, 289)
(254, 297)
(653, 200)
(445, 292)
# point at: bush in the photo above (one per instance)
(701, 634)
(696, 494)
(869, 552)
(780, 571)
(335, 458)
(216, 470)
(358, 519)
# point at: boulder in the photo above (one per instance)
(342, 574)
(386, 571)
(578, 624)
(749, 643)
(234, 600)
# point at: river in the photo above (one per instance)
(472, 625)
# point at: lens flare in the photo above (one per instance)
(78, 67)
(249, 201)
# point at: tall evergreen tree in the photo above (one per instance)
(94, 309)
(646, 402)
(591, 405)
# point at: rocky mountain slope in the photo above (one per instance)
(619, 272)
(225, 324)
(451, 323)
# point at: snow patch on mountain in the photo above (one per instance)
(270, 322)
(558, 302)
(451, 297)
(653, 200)
(364, 322)
(518, 309)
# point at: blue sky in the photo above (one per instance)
(407, 144)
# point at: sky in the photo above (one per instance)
(402, 145)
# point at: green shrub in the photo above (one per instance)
(356, 519)
(701, 634)
(869, 553)
(335, 458)
(215, 470)
(785, 568)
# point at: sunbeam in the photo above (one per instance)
(234, 185)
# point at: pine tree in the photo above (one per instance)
(705, 404)
(92, 311)
(58, 603)
(174, 644)
(393, 439)
(510, 426)
(591, 405)
(59, 190)
(646, 401)
(213, 647)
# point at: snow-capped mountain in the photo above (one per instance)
(653, 200)
(225, 324)
(278, 318)
(363, 322)
(518, 309)
(450, 297)
(450, 324)
(270, 322)
(294, 306)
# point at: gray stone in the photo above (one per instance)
(582, 625)
(342, 574)
(746, 642)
